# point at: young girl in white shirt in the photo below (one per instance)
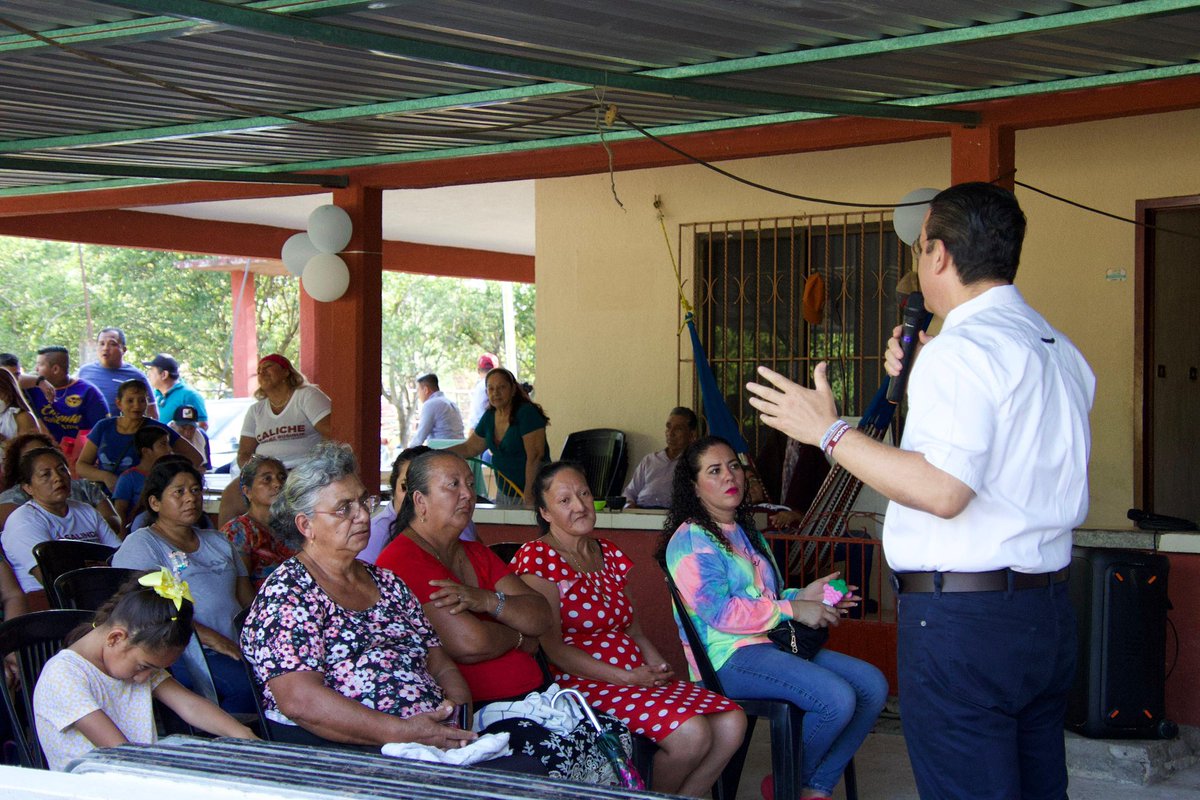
(97, 691)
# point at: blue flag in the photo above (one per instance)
(720, 419)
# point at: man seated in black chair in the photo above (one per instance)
(650, 486)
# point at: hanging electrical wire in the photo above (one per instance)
(827, 201)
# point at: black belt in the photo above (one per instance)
(995, 581)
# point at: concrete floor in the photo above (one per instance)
(884, 773)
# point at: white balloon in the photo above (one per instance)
(907, 219)
(296, 252)
(325, 277)
(330, 228)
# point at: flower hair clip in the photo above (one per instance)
(165, 584)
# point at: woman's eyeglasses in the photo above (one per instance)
(350, 508)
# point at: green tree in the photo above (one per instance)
(433, 324)
(429, 323)
(160, 306)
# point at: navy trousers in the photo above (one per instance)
(983, 679)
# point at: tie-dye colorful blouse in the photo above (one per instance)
(732, 598)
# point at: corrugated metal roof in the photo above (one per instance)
(135, 86)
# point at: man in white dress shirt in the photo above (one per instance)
(440, 418)
(986, 487)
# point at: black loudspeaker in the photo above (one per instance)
(1120, 600)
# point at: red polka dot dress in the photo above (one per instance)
(595, 614)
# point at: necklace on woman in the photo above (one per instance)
(580, 560)
(576, 560)
(424, 544)
(277, 408)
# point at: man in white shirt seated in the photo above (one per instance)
(440, 418)
(650, 486)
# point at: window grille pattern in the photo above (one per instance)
(749, 280)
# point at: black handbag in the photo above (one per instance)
(798, 639)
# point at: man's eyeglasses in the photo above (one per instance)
(350, 508)
(919, 247)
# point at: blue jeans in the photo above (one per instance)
(236, 694)
(984, 678)
(842, 698)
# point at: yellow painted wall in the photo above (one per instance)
(1109, 165)
(607, 314)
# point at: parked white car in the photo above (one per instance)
(225, 418)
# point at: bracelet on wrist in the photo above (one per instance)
(500, 599)
(833, 435)
(520, 641)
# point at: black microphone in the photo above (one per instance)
(910, 334)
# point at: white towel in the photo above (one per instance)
(535, 707)
(485, 748)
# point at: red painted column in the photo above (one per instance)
(340, 342)
(245, 332)
(982, 153)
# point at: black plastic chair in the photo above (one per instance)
(35, 638)
(88, 588)
(57, 557)
(786, 721)
(505, 550)
(265, 723)
(604, 457)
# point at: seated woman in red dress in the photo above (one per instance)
(598, 647)
(487, 619)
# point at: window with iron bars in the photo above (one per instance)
(748, 297)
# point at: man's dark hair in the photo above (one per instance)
(120, 334)
(429, 381)
(982, 227)
(9, 360)
(57, 354)
(683, 411)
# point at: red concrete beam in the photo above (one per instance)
(340, 341)
(982, 153)
(245, 332)
(185, 235)
(155, 194)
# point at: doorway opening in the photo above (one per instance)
(1167, 357)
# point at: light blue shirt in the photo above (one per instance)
(107, 380)
(180, 395)
(439, 420)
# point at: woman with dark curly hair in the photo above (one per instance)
(734, 595)
(514, 429)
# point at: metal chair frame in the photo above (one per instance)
(35, 638)
(786, 722)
